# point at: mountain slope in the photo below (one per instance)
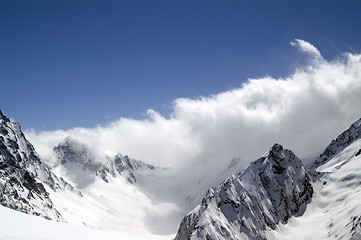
(23, 174)
(271, 190)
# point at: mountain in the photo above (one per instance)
(335, 207)
(271, 190)
(117, 192)
(276, 197)
(81, 188)
(73, 154)
(23, 174)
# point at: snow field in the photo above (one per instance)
(19, 226)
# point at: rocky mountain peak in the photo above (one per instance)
(271, 190)
(279, 159)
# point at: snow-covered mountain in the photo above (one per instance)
(117, 193)
(275, 198)
(335, 210)
(111, 193)
(271, 190)
(23, 175)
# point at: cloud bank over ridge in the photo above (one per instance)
(302, 111)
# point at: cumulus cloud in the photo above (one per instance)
(303, 111)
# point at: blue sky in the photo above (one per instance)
(66, 64)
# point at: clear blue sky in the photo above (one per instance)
(74, 63)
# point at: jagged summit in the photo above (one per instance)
(271, 190)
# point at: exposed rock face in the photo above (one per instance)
(22, 174)
(271, 190)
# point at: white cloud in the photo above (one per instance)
(307, 47)
(303, 111)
